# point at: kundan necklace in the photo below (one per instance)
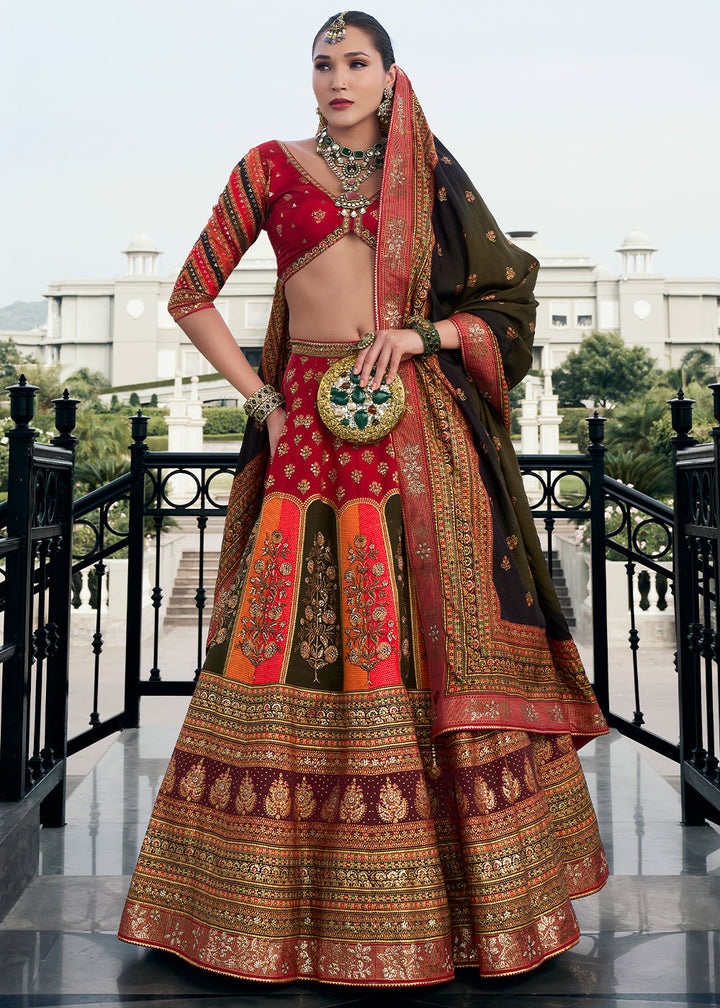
(352, 168)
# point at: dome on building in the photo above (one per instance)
(142, 243)
(636, 241)
(637, 253)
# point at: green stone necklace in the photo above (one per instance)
(352, 168)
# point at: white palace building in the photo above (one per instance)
(121, 327)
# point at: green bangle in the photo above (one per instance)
(427, 332)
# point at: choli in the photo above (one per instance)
(267, 190)
(302, 220)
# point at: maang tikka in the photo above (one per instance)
(336, 31)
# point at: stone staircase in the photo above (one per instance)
(181, 609)
(561, 588)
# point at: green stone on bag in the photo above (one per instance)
(381, 396)
(339, 397)
(361, 419)
(358, 395)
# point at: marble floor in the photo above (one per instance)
(651, 937)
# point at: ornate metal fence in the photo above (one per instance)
(36, 602)
(129, 516)
(697, 533)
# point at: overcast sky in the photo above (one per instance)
(578, 120)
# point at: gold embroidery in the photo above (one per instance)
(277, 801)
(484, 796)
(460, 799)
(330, 805)
(262, 629)
(392, 807)
(530, 777)
(410, 458)
(169, 782)
(319, 631)
(422, 805)
(510, 785)
(246, 796)
(352, 806)
(193, 783)
(370, 631)
(304, 800)
(220, 791)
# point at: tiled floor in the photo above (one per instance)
(651, 937)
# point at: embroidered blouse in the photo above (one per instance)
(269, 189)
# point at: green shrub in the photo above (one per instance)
(572, 417)
(224, 420)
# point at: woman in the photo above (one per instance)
(377, 778)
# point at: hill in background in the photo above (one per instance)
(22, 316)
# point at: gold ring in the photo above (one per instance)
(367, 341)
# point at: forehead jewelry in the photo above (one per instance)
(336, 31)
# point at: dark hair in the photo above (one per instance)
(372, 27)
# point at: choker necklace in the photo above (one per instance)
(352, 168)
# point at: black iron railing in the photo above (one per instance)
(36, 602)
(129, 518)
(697, 533)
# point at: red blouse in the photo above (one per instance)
(302, 219)
(268, 190)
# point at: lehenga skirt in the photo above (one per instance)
(306, 827)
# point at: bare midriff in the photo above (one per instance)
(331, 299)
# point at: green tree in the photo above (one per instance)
(85, 384)
(603, 370)
(696, 366)
(47, 378)
(12, 362)
(134, 399)
(102, 451)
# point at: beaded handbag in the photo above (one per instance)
(356, 414)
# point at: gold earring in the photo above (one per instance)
(323, 121)
(385, 109)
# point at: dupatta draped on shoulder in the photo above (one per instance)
(498, 649)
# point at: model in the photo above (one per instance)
(377, 778)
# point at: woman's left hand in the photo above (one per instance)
(389, 348)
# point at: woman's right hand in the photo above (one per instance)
(275, 424)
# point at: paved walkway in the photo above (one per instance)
(652, 936)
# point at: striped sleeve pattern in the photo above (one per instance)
(234, 225)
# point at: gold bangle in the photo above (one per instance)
(261, 404)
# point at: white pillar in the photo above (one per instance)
(549, 419)
(529, 419)
(185, 426)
